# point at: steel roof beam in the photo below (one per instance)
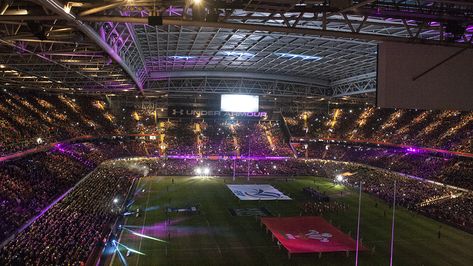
(370, 75)
(223, 74)
(205, 85)
(361, 84)
(329, 31)
(33, 53)
(101, 8)
(271, 28)
(58, 8)
(351, 8)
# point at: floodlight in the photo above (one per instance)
(198, 171)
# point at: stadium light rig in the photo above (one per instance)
(202, 172)
(198, 171)
(339, 178)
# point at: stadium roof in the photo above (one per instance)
(303, 48)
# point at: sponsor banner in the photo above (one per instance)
(257, 192)
(187, 112)
(308, 234)
(250, 212)
(193, 209)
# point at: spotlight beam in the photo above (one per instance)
(120, 255)
(131, 203)
(131, 250)
(145, 236)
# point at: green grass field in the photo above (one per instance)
(215, 237)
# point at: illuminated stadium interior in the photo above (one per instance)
(236, 132)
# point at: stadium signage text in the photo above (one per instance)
(200, 113)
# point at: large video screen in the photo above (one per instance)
(239, 103)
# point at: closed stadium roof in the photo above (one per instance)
(308, 49)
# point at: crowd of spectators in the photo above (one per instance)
(445, 204)
(449, 130)
(30, 120)
(276, 138)
(452, 170)
(320, 208)
(252, 139)
(315, 195)
(455, 211)
(217, 138)
(29, 184)
(69, 232)
(180, 138)
(224, 167)
(87, 209)
(72, 228)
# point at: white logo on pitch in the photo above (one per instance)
(312, 234)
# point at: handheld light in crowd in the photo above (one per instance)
(339, 178)
(206, 171)
(115, 200)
